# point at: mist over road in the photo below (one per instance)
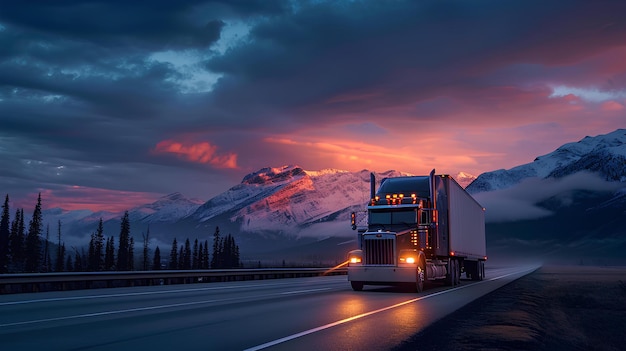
(303, 313)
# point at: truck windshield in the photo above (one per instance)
(392, 217)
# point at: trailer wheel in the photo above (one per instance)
(356, 286)
(477, 270)
(421, 276)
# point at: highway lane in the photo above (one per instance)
(304, 313)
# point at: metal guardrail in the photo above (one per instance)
(35, 282)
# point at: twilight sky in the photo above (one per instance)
(108, 105)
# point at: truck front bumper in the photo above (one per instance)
(382, 274)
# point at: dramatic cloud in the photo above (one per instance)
(95, 94)
(200, 152)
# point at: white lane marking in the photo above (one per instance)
(349, 319)
(137, 294)
(302, 291)
(138, 309)
(95, 314)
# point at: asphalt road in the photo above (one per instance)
(321, 313)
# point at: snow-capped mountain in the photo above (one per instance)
(280, 199)
(169, 209)
(603, 154)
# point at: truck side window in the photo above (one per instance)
(424, 217)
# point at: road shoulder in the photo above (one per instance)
(556, 307)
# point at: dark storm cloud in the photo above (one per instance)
(405, 53)
(150, 25)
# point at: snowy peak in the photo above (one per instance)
(464, 179)
(169, 208)
(274, 175)
(284, 197)
(305, 201)
(602, 154)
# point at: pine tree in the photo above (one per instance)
(174, 255)
(99, 247)
(195, 257)
(200, 256)
(181, 258)
(16, 242)
(91, 254)
(205, 263)
(109, 255)
(78, 262)
(58, 267)
(33, 242)
(124, 242)
(131, 254)
(187, 255)
(60, 259)
(4, 236)
(146, 253)
(46, 251)
(156, 262)
(216, 248)
(224, 252)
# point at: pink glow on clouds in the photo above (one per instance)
(80, 198)
(382, 154)
(612, 106)
(202, 152)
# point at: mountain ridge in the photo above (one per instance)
(604, 154)
(275, 207)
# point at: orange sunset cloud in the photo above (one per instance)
(202, 152)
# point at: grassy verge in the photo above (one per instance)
(554, 308)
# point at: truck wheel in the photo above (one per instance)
(450, 281)
(475, 270)
(356, 286)
(421, 276)
(457, 273)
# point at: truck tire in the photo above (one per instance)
(476, 270)
(481, 270)
(356, 286)
(420, 276)
(450, 280)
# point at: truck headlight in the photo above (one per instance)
(355, 258)
(408, 257)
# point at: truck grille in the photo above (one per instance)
(380, 251)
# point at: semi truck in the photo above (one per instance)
(420, 229)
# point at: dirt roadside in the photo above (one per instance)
(554, 308)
